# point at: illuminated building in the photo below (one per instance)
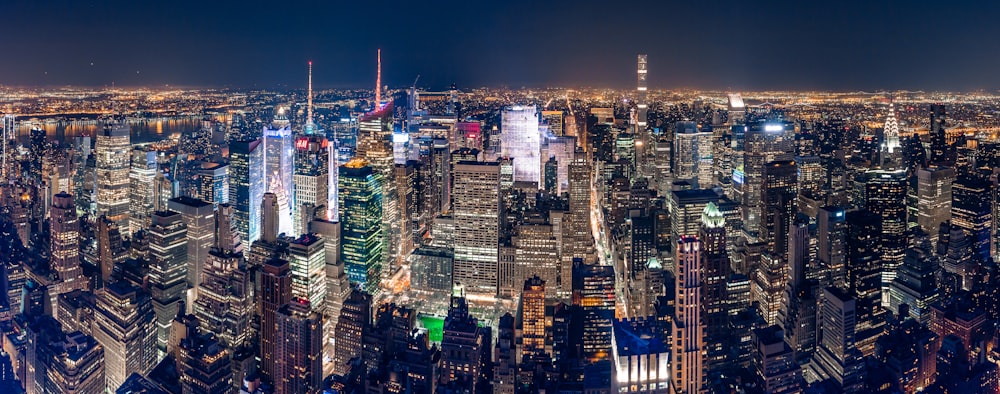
(934, 195)
(338, 286)
(168, 270)
(864, 276)
(477, 226)
(279, 166)
(141, 176)
(832, 236)
(125, 325)
(275, 291)
(54, 362)
(715, 263)
(199, 217)
(764, 142)
(214, 183)
(361, 228)
(64, 246)
(246, 186)
(811, 176)
(462, 346)
(688, 330)
(885, 195)
(520, 139)
(537, 254)
(774, 362)
(112, 149)
(375, 147)
(942, 154)
(430, 270)
(225, 295)
(891, 152)
(915, 285)
(307, 259)
(555, 120)
(641, 359)
(641, 89)
(505, 353)
(577, 223)
(594, 293)
(269, 219)
(971, 212)
(204, 364)
(298, 361)
(693, 155)
(109, 247)
(779, 196)
(355, 319)
(311, 180)
(837, 358)
(531, 316)
(9, 133)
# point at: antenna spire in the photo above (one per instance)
(309, 107)
(378, 82)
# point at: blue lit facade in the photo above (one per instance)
(362, 240)
(246, 165)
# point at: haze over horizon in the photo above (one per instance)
(777, 45)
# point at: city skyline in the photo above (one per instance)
(724, 45)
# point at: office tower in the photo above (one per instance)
(64, 245)
(279, 165)
(270, 223)
(375, 147)
(112, 150)
(338, 286)
(642, 359)
(774, 362)
(915, 285)
(715, 263)
(168, 271)
(688, 330)
(298, 361)
(405, 178)
(693, 154)
(204, 364)
(942, 153)
(934, 196)
(355, 319)
(686, 208)
(594, 294)
(779, 196)
(246, 186)
(864, 276)
(891, 152)
(307, 259)
(812, 175)
(275, 292)
(224, 305)
(462, 346)
(141, 175)
(431, 269)
(362, 237)
(213, 185)
(578, 225)
(199, 217)
(109, 247)
(311, 180)
(505, 354)
(625, 153)
(641, 89)
(885, 196)
(971, 211)
(477, 226)
(555, 121)
(66, 363)
(832, 236)
(9, 133)
(764, 142)
(550, 175)
(125, 325)
(531, 314)
(837, 357)
(520, 139)
(537, 254)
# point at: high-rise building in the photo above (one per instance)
(763, 142)
(355, 319)
(972, 212)
(832, 236)
(213, 183)
(65, 363)
(891, 152)
(477, 226)
(204, 363)
(915, 285)
(168, 270)
(942, 153)
(642, 359)
(9, 133)
(141, 202)
(715, 263)
(224, 305)
(246, 186)
(520, 139)
(462, 346)
(537, 254)
(837, 357)
(864, 276)
(885, 196)
(110, 249)
(64, 246)
(199, 217)
(362, 237)
(934, 195)
(641, 90)
(307, 259)
(688, 330)
(774, 362)
(275, 292)
(311, 181)
(270, 222)
(779, 196)
(594, 293)
(298, 359)
(125, 325)
(531, 314)
(279, 166)
(505, 353)
(693, 154)
(112, 150)
(338, 287)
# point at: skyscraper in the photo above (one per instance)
(715, 263)
(246, 188)
(885, 195)
(520, 139)
(779, 196)
(275, 292)
(764, 142)
(298, 361)
(532, 318)
(125, 325)
(837, 357)
(934, 195)
(641, 90)
(361, 224)
(199, 217)
(269, 217)
(112, 150)
(688, 330)
(891, 152)
(971, 212)
(477, 226)
(311, 180)
(141, 203)
(307, 259)
(9, 127)
(864, 276)
(693, 154)
(168, 270)
(279, 166)
(594, 293)
(942, 153)
(64, 246)
(355, 319)
(462, 345)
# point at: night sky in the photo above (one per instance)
(793, 44)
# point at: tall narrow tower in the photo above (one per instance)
(891, 154)
(642, 92)
(378, 82)
(309, 102)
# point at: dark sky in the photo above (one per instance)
(760, 44)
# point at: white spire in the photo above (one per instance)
(309, 106)
(891, 150)
(378, 82)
